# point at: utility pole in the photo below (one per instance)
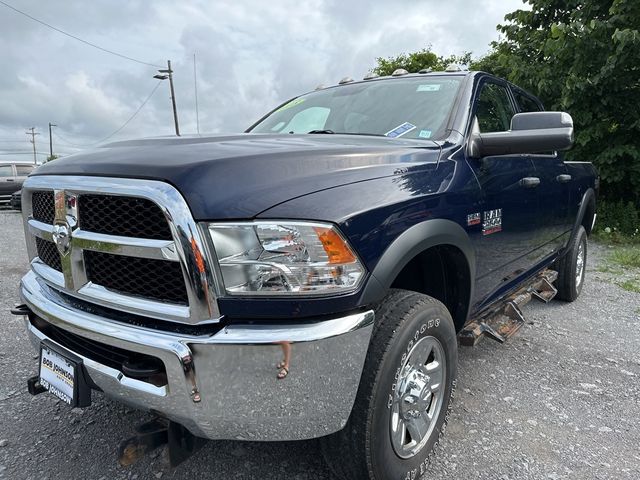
(195, 89)
(32, 132)
(163, 75)
(51, 141)
(173, 98)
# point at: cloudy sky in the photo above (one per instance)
(251, 55)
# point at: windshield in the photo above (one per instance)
(416, 107)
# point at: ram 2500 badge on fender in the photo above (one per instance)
(311, 277)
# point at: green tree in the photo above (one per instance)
(416, 61)
(490, 63)
(582, 56)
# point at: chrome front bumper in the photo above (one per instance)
(224, 385)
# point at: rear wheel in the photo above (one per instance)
(572, 267)
(404, 395)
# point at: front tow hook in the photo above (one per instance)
(21, 310)
(34, 387)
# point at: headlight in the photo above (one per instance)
(285, 258)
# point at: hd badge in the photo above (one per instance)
(492, 221)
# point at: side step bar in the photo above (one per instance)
(503, 321)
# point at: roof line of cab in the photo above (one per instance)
(452, 70)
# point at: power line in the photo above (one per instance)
(64, 140)
(134, 113)
(30, 152)
(77, 38)
(195, 89)
(21, 153)
(116, 131)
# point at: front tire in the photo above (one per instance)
(572, 267)
(405, 393)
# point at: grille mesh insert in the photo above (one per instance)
(48, 253)
(156, 279)
(43, 206)
(124, 216)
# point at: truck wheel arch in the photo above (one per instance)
(419, 244)
(586, 212)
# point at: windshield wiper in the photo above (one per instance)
(346, 133)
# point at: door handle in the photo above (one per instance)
(564, 178)
(529, 182)
(10, 180)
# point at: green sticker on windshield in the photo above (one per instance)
(292, 103)
(428, 87)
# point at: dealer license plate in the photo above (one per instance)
(57, 374)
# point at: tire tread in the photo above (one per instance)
(565, 266)
(348, 443)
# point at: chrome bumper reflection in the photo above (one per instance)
(224, 386)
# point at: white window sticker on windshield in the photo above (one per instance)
(292, 103)
(428, 87)
(400, 130)
(425, 134)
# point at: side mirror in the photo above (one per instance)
(532, 132)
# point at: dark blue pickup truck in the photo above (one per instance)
(312, 277)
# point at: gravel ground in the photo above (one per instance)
(559, 400)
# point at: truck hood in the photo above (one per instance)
(239, 176)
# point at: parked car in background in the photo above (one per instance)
(12, 175)
(16, 200)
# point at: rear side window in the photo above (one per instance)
(494, 109)
(527, 104)
(24, 170)
(6, 171)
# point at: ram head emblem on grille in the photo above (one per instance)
(65, 205)
(62, 238)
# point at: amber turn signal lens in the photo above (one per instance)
(336, 248)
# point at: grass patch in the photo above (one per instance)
(626, 257)
(615, 238)
(618, 219)
(623, 263)
(632, 285)
(613, 269)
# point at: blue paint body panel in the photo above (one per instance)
(373, 189)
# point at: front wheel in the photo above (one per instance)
(405, 393)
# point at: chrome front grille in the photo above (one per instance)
(126, 244)
(43, 206)
(125, 216)
(48, 253)
(146, 277)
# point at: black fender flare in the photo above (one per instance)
(589, 198)
(411, 242)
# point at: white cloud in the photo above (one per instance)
(251, 56)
